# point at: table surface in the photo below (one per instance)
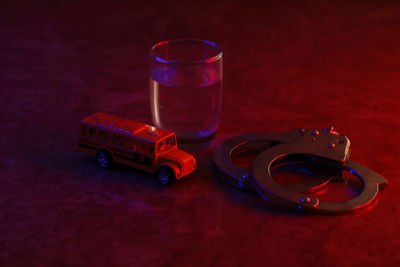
(286, 65)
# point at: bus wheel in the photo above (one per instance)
(104, 159)
(165, 175)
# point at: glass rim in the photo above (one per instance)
(207, 60)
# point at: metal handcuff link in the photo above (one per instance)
(327, 147)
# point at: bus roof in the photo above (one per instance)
(127, 127)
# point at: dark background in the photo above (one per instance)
(287, 64)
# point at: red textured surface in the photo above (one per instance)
(286, 65)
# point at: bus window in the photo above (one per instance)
(151, 149)
(166, 144)
(103, 137)
(140, 147)
(92, 133)
(128, 144)
(117, 141)
(83, 131)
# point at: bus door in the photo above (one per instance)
(122, 147)
(147, 151)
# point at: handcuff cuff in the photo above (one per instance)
(327, 148)
(241, 178)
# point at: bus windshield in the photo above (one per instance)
(166, 143)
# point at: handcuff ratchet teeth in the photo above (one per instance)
(332, 150)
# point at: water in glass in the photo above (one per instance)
(187, 103)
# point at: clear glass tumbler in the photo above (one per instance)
(186, 88)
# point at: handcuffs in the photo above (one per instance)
(327, 148)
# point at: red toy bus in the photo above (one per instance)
(115, 139)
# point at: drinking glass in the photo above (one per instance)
(186, 88)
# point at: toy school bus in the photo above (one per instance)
(114, 139)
